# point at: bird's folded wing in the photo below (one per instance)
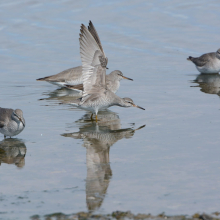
(200, 61)
(93, 60)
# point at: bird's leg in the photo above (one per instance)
(4, 136)
(91, 117)
(96, 118)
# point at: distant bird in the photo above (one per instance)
(112, 82)
(11, 121)
(96, 95)
(208, 62)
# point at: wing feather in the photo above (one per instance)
(93, 60)
(94, 33)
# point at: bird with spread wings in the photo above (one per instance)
(95, 94)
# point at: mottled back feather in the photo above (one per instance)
(5, 115)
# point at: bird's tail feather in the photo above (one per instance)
(43, 79)
(189, 58)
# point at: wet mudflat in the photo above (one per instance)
(163, 159)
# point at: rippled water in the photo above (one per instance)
(62, 162)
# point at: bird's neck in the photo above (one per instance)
(120, 102)
(114, 86)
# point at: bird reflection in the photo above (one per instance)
(98, 138)
(61, 94)
(209, 83)
(12, 151)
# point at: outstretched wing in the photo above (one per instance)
(94, 61)
(95, 35)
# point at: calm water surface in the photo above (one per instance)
(62, 162)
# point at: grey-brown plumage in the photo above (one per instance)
(11, 121)
(96, 95)
(72, 79)
(207, 63)
(95, 35)
(112, 82)
(72, 76)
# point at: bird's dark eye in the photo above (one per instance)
(15, 115)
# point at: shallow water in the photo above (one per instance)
(71, 164)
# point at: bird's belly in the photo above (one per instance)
(74, 82)
(19, 129)
(12, 129)
(92, 108)
(216, 66)
(67, 82)
(60, 84)
(87, 108)
(213, 67)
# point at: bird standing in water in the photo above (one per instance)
(96, 95)
(11, 122)
(207, 63)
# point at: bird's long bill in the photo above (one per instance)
(140, 127)
(22, 122)
(127, 78)
(139, 107)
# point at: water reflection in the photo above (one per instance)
(209, 83)
(98, 138)
(12, 151)
(61, 94)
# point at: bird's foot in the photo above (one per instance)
(96, 118)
